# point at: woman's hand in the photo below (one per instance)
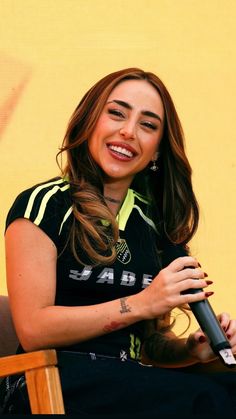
(168, 288)
(199, 347)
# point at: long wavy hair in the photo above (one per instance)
(170, 188)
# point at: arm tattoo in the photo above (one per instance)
(113, 326)
(125, 308)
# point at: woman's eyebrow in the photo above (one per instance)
(128, 106)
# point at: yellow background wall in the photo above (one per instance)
(51, 52)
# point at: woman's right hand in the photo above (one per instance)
(168, 288)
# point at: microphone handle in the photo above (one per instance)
(211, 326)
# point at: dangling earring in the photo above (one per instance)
(154, 166)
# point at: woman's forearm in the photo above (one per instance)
(55, 326)
(167, 351)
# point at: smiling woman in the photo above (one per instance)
(104, 247)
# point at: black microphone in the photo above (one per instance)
(211, 326)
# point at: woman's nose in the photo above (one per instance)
(127, 131)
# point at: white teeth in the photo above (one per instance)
(121, 150)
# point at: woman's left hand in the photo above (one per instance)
(197, 342)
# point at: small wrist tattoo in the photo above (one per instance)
(113, 326)
(125, 308)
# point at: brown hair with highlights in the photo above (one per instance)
(170, 188)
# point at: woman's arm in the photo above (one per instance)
(165, 349)
(31, 279)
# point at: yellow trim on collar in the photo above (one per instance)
(125, 210)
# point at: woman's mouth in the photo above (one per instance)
(121, 151)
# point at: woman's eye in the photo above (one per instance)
(149, 125)
(115, 112)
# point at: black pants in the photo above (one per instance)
(110, 388)
(103, 387)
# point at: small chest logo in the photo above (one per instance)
(122, 251)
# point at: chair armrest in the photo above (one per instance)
(42, 379)
(20, 363)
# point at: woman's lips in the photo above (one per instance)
(121, 151)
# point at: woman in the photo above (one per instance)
(98, 258)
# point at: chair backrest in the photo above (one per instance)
(8, 338)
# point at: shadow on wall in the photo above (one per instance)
(14, 75)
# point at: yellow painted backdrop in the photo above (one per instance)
(52, 51)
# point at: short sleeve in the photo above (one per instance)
(47, 205)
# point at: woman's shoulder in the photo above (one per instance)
(45, 204)
(42, 194)
(49, 186)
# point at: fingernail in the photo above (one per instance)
(209, 293)
(205, 275)
(209, 282)
(202, 339)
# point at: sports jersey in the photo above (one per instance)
(49, 206)
(93, 382)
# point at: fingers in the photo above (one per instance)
(180, 277)
(183, 262)
(231, 329)
(187, 298)
(185, 267)
(224, 319)
(186, 270)
(228, 325)
(185, 286)
(198, 346)
(199, 337)
(191, 273)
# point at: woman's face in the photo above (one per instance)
(128, 131)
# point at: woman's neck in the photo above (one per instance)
(114, 195)
(113, 200)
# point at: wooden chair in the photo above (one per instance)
(40, 367)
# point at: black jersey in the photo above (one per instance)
(49, 206)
